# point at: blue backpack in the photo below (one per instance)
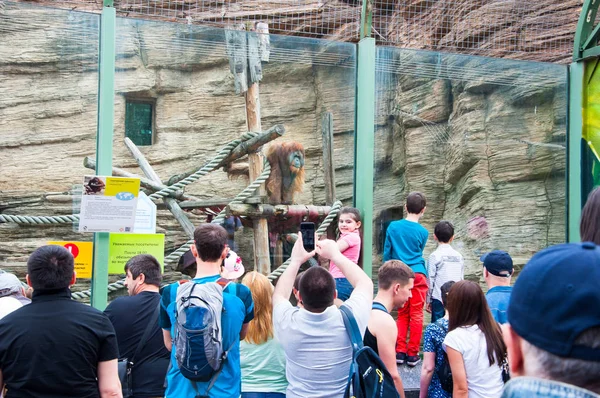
(368, 376)
(198, 340)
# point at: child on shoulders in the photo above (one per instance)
(349, 244)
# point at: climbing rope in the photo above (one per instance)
(222, 154)
(210, 166)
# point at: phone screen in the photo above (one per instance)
(307, 229)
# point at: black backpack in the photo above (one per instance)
(444, 372)
(368, 375)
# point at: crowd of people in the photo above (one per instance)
(214, 337)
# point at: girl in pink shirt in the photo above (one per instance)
(349, 244)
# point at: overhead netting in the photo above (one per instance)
(537, 30)
(540, 30)
(334, 19)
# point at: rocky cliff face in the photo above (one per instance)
(484, 140)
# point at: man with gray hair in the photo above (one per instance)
(12, 294)
(553, 330)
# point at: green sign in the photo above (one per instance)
(124, 246)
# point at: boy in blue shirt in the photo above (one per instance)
(405, 240)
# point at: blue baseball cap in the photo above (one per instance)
(557, 297)
(498, 263)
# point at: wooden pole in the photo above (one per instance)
(255, 167)
(328, 165)
(267, 210)
(171, 203)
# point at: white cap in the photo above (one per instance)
(233, 265)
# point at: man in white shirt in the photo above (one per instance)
(315, 340)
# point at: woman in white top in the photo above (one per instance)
(474, 344)
(261, 356)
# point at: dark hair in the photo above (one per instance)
(210, 241)
(394, 271)
(444, 231)
(467, 306)
(297, 280)
(415, 202)
(50, 267)
(445, 289)
(590, 218)
(147, 265)
(353, 211)
(317, 289)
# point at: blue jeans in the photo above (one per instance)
(344, 288)
(437, 310)
(262, 395)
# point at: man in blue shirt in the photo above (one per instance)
(210, 249)
(497, 272)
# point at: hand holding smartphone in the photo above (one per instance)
(307, 230)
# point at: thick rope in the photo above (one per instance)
(39, 220)
(174, 256)
(210, 166)
(335, 209)
(69, 219)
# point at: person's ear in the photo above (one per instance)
(194, 250)
(28, 280)
(73, 279)
(358, 224)
(515, 352)
(485, 272)
(142, 278)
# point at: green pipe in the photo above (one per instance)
(574, 134)
(104, 144)
(364, 145)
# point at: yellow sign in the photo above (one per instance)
(116, 185)
(82, 252)
(124, 246)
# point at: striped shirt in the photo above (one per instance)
(445, 264)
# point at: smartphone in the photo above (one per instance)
(307, 229)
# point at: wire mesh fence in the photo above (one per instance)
(542, 30)
(334, 19)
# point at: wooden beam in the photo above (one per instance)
(203, 204)
(267, 210)
(328, 164)
(171, 203)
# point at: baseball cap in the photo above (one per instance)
(498, 263)
(233, 265)
(556, 297)
(10, 285)
(186, 260)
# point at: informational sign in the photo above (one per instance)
(124, 246)
(145, 216)
(82, 252)
(108, 204)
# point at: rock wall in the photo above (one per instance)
(483, 139)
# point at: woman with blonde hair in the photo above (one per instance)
(262, 357)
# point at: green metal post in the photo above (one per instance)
(364, 145)
(576, 93)
(104, 144)
(366, 19)
(585, 27)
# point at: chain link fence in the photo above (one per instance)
(517, 29)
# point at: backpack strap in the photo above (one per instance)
(146, 336)
(379, 306)
(351, 328)
(223, 282)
